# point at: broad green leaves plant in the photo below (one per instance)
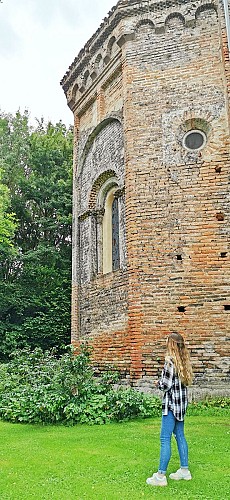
(37, 387)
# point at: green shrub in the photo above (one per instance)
(128, 403)
(210, 406)
(37, 387)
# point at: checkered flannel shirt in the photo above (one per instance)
(175, 396)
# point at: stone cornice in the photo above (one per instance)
(104, 77)
(123, 9)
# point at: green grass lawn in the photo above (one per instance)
(110, 462)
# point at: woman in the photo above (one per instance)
(176, 376)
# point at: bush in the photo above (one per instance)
(210, 406)
(128, 403)
(37, 387)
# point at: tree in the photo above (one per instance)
(7, 222)
(35, 286)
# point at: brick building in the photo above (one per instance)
(150, 95)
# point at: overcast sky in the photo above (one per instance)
(39, 41)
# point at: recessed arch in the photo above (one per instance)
(175, 20)
(145, 22)
(98, 58)
(99, 61)
(93, 75)
(110, 183)
(75, 89)
(111, 45)
(85, 77)
(207, 8)
(106, 59)
(93, 135)
(103, 183)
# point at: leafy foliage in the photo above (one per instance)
(210, 406)
(7, 222)
(35, 278)
(37, 387)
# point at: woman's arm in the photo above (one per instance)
(165, 382)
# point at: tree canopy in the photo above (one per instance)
(35, 233)
(7, 221)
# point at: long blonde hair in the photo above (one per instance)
(177, 350)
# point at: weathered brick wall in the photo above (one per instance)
(162, 69)
(178, 194)
(99, 302)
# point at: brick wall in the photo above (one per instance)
(157, 70)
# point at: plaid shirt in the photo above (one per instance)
(175, 396)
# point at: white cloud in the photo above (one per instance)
(39, 41)
(10, 41)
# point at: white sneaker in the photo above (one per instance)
(179, 474)
(155, 480)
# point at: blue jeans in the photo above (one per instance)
(171, 425)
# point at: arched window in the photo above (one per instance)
(110, 232)
(115, 235)
(99, 229)
(105, 221)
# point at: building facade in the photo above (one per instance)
(150, 94)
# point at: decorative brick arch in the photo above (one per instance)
(175, 20)
(102, 179)
(206, 8)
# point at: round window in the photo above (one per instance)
(194, 140)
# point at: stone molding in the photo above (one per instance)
(157, 13)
